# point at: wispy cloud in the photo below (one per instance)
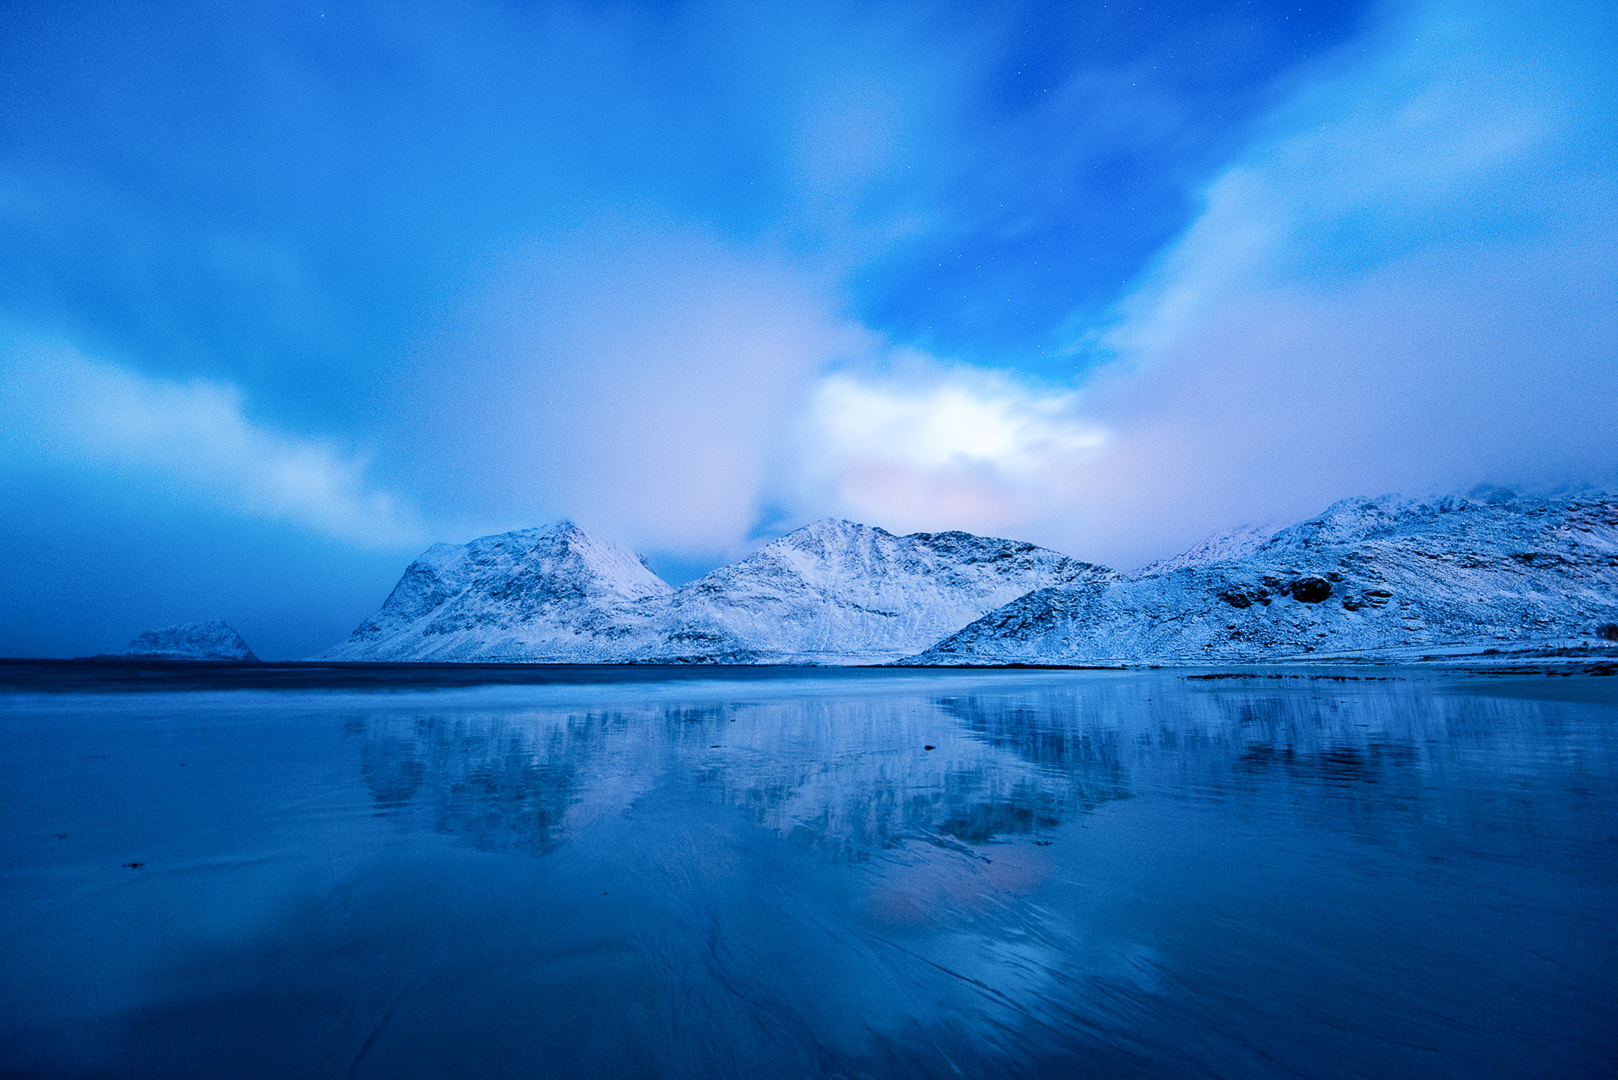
(1404, 282)
(1407, 283)
(188, 441)
(637, 295)
(633, 375)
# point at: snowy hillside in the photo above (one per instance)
(212, 640)
(1231, 544)
(1367, 576)
(549, 594)
(838, 592)
(831, 592)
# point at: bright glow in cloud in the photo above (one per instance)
(192, 442)
(1407, 284)
(1411, 284)
(930, 447)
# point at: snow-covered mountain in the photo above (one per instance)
(1367, 576)
(835, 592)
(551, 594)
(212, 640)
(831, 592)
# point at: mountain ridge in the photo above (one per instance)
(1368, 575)
(833, 591)
(836, 591)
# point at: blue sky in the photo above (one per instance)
(293, 290)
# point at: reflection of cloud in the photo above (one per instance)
(190, 439)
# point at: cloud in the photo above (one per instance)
(1474, 128)
(930, 446)
(631, 374)
(1411, 287)
(1405, 282)
(673, 389)
(189, 441)
(1410, 283)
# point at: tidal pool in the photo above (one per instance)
(1284, 873)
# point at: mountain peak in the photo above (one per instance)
(521, 595)
(831, 526)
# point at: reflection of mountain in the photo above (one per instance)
(861, 793)
(851, 777)
(1047, 732)
(502, 781)
(1392, 763)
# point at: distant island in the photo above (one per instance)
(1383, 578)
(212, 640)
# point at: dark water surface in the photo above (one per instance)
(870, 873)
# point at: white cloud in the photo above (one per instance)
(189, 440)
(925, 446)
(1409, 286)
(662, 386)
(1407, 283)
(1471, 125)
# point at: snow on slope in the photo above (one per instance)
(1231, 544)
(836, 592)
(212, 640)
(1367, 576)
(554, 593)
(831, 592)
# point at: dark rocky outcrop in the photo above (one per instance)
(1310, 590)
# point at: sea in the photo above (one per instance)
(293, 870)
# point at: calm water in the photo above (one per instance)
(847, 874)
